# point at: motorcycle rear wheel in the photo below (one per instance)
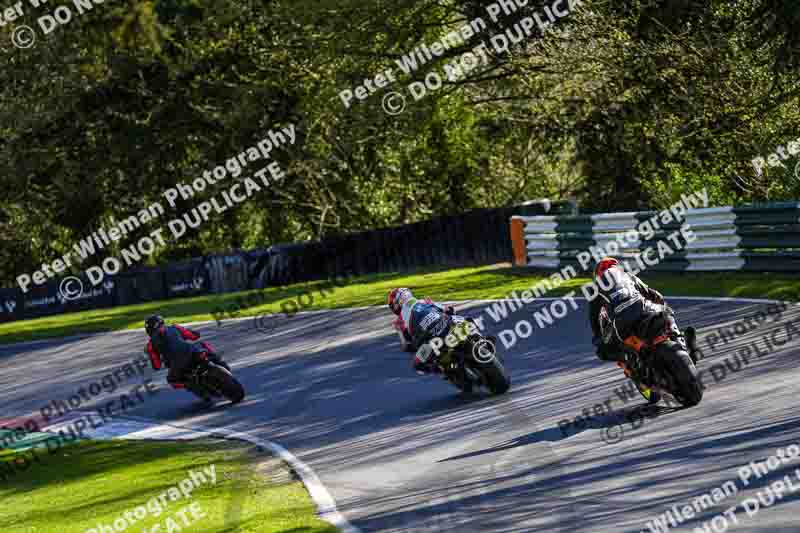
(497, 379)
(686, 385)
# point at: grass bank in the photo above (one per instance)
(450, 284)
(83, 487)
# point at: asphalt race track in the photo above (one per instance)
(400, 452)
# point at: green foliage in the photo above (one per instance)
(665, 193)
(619, 106)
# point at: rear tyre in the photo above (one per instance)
(227, 384)
(497, 380)
(678, 365)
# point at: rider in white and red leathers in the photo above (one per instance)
(420, 320)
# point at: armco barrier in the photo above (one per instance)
(480, 236)
(757, 238)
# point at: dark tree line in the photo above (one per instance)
(620, 105)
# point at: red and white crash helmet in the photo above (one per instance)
(398, 298)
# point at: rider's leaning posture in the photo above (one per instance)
(396, 299)
(423, 319)
(178, 348)
(630, 307)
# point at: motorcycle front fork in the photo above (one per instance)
(676, 334)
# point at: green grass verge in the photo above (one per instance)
(89, 484)
(452, 284)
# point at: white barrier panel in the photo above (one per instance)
(717, 244)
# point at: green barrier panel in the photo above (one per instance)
(575, 235)
(768, 235)
(773, 238)
(766, 218)
(772, 261)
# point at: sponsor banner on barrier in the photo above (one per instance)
(73, 293)
(186, 280)
(11, 304)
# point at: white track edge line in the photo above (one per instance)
(326, 505)
(324, 502)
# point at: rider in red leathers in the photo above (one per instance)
(178, 348)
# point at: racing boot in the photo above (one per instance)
(651, 395)
(637, 372)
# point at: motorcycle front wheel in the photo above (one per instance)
(225, 383)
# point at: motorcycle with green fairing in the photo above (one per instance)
(466, 358)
